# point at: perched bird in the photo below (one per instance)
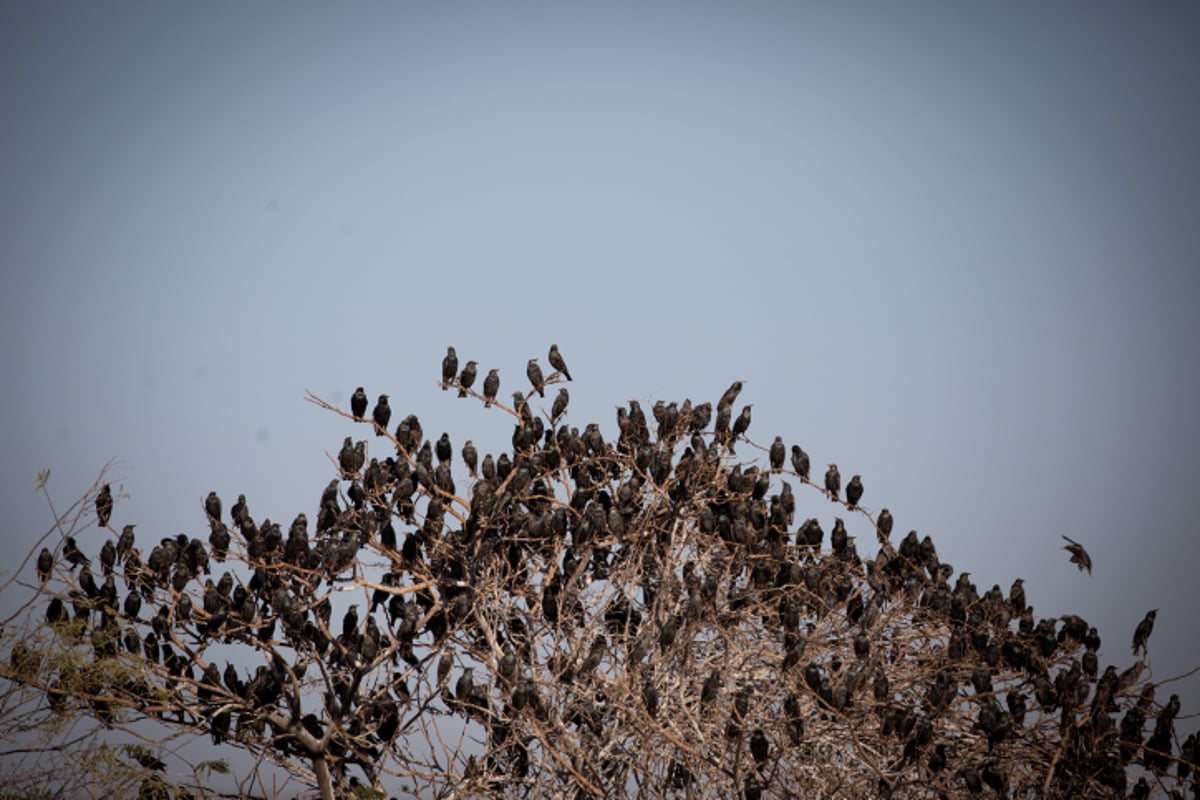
(534, 372)
(108, 557)
(731, 394)
(449, 368)
(45, 563)
(358, 403)
(854, 490)
(800, 461)
(556, 361)
(777, 453)
(382, 414)
(471, 458)
(1142, 634)
(212, 507)
(1078, 555)
(884, 525)
(104, 505)
(833, 482)
(491, 385)
(560, 404)
(742, 423)
(467, 378)
(125, 543)
(73, 555)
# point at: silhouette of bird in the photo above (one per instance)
(777, 453)
(1078, 555)
(382, 414)
(45, 563)
(833, 481)
(358, 403)
(73, 555)
(212, 507)
(467, 378)
(125, 543)
(471, 458)
(800, 461)
(556, 361)
(534, 372)
(884, 525)
(104, 505)
(491, 385)
(1142, 634)
(108, 557)
(449, 368)
(730, 395)
(560, 404)
(854, 490)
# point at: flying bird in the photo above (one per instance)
(556, 361)
(1078, 555)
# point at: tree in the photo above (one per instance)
(643, 617)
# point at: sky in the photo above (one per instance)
(950, 247)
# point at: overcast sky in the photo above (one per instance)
(951, 247)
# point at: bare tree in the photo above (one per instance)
(644, 616)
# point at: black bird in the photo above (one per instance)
(212, 506)
(708, 692)
(534, 372)
(854, 490)
(1078, 555)
(800, 461)
(219, 539)
(560, 404)
(556, 361)
(467, 379)
(108, 557)
(760, 746)
(443, 449)
(350, 621)
(347, 457)
(104, 505)
(382, 414)
(491, 385)
(449, 368)
(471, 458)
(777, 453)
(125, 543)
(731, 394)
(833, 481)
(45, 563)
(1142, 634)
(73, 555)
(884, 525)
(358, 403)
(741, 424)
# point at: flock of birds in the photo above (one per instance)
(692, 548)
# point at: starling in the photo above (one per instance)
(741, 423)
(382, 414)
(443, 448)
(730, 395)
(108, 557)
(125, 543)
(491, 385)
(800, 462)
(467, 379)
(560, 404)
(358, 403)
(1078, 555)
(1016, 597)
(449, 368)
(471, 458)
(535, 377)
(1142, 634)
(833, 482)
(45, 563)
(346, 456)
(104, 505)
(854, 490)
(73, 555)
(556, 361)
(884, 525)
(760, 746)
(777, 453)
(711, 686)
(465, 685)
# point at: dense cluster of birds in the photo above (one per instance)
(640, 615)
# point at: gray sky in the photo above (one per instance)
(951, 247)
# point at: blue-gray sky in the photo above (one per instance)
(951, 247)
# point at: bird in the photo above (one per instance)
(471, 458)
(777, 453)
(491, 385)
(108, 557)
(833, 482)
(125, 543)
(212, 507)
(449, 368)
(560, 404)
(884, 525)
(854, 490)
(534, 372)
(382, 414)
(800, 462)
(73, 555)
(104, 505)
(1078, 555)
(556, 361)
(731, 394)
(358, 403)
(740, 424)
(45, 563)
(467, 378)
(1142, 634)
